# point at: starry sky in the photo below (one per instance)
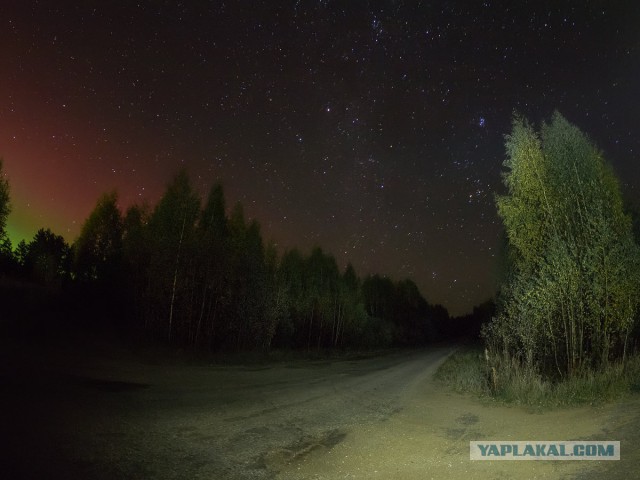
(372, 129)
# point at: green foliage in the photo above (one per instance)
(569, 301)
(509, 381)
(7, 261)
(5, 201)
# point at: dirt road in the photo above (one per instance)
(111, 414)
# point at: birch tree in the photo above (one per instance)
(569, 301)
(172, 226)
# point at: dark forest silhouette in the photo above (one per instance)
(199, 276)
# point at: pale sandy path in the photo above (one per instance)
(429, 439)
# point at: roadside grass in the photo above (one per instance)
(467, 371)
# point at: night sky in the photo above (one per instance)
(372, 129)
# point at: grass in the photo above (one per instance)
(467, 371)
(464, 372)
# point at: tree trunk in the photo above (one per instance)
(310, 325)
(204, 301)
(175, 275)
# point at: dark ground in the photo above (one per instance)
(93, 409)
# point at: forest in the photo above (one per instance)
(200, 276)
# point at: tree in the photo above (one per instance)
(352, 319)
(212, 248)
(47, 258)
(172, 269)
(5, 201)
(247, 282)
(411, 314)
(98, 249)
(7, 260)
(100, 281)
(379, 296)
(291, 273)
(21, 252)
(136, 257)
(277, 296)
(569, 300)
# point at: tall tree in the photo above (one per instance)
(247, 281)
(172, 233)
(137, 255)
(98, 249)
(7, 260)
(569, 300)
(291, 273)
(277, 297)
(48, 258)
(212, 251)
(5, 201)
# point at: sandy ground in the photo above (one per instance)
(91, 410)
(429, 439)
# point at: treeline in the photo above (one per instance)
(195, 275)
